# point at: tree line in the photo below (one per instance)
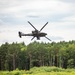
(21, 56)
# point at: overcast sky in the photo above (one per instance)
(14, 15)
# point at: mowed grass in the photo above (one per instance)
(40, 71)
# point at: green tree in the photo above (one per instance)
(3, 53)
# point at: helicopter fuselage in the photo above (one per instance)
(35, 34)
(39, 34)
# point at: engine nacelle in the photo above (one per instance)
(35, 32)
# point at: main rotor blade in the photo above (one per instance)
(43, 26)
(33, 38)
(47, 38)
(32, 25)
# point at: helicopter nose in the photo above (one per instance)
(45, 33)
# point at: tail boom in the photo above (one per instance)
(22, 34)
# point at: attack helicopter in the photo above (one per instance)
(36, 33)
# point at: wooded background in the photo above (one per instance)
(21, 56)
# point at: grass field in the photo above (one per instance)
(40, 71)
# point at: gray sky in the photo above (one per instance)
(14, 15)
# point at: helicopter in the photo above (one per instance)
(36, 33)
